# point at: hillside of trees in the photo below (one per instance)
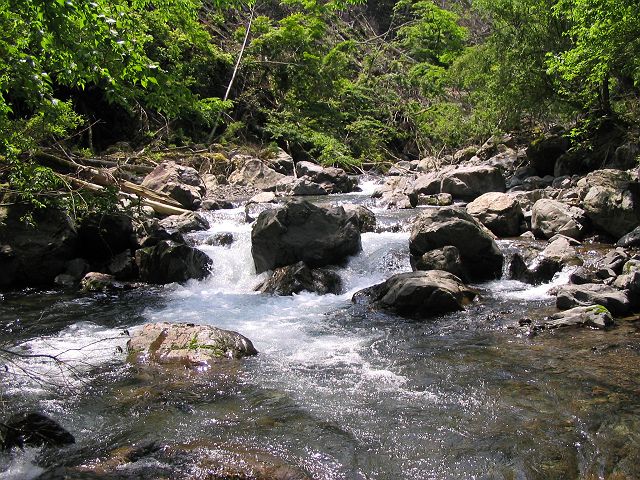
(343, 82)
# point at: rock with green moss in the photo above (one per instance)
(187, 344)
(593, 316)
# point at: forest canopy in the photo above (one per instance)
(341, 82)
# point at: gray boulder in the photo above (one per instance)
(470, 182)
(446, 259)
(102, 282)
(301, 231)
(333, 180)
(611, 201)
(185, 223)
(596, 317)
(418, 294)
(255, 173)
(300, 187)
(631, 239)
(499, 212)
(169, 262)
(293, 279)
(397, 192)
(186, 344)
(438, 228)
(544, 266)
(551, 217)
(181, 183)
(616, 301)
(364, 218)
(34, 254)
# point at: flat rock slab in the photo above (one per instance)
(594, 316)
(187, 344)
(616, 301)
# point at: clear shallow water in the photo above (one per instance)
(337, 392)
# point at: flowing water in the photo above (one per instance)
(337, 392)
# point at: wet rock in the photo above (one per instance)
(418, 294)
(333, 180)
(365, 218)
(594, 316)
(631, 239)
(301, 231)
(102, 282)
(150, 232)
(545, 151)
(181, 183)
(614, 260)
(544, 266)
(615, 301)
(438, 228)
(470, 182)
(220, 239)
(302, 187)
(32, 255)
(169, 262)
(216, 204)
(582, 275)
(33, 429)
(611, 201)
(254, 173)
(397, 192)
(428, 184)
(185, 223)
(100, 237)
(447, 259)
(499, 212)
(123, 266)
(253, 210)
(293, 279)
(186, 344)
(436, 200)
(550, 217)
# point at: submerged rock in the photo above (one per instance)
(418, 294)
(170, 262)
(187, 344)
(296, 278)
(438, 228)
(301, 231)
(33, 429)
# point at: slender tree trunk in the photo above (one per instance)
(605, 98)
(235, 71)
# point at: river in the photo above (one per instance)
(336, 391)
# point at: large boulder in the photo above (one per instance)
(418, 294)
(301, 231)
(181, 183)
(551, 217)
(612, 201)
(33, 254)
(333, 180)
(616, 301)
(364, 218)
(397, 192)
(297, 278)
(437, 228)
(101, 236)
(255, 173)
(499, 212)
(470, 182)
(187, 345)
(169, 262)
(446, 258)
(33, 429)
(544, 151)
(544, 266)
